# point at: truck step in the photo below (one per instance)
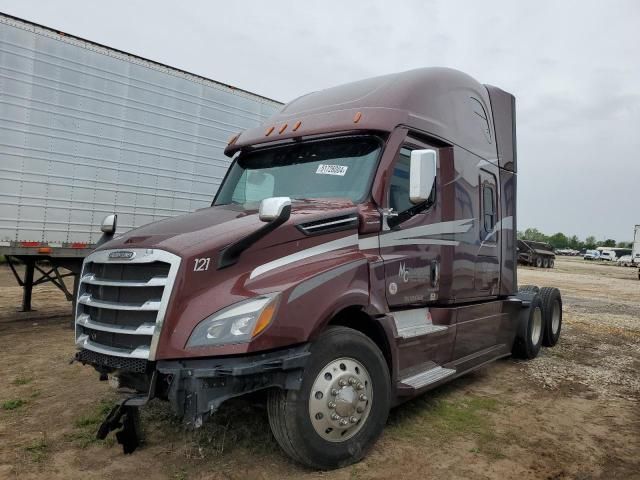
(427, 377)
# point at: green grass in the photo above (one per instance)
(22, 380)
(13, 404)
(86, 425)
(442, 419)
(37, 450)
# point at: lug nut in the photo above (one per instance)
(353, 419)
(335, 416)
(359, 386)
(342, 383)
(363, 397)
(332, 405)
(343, 422)
(360, 409)
(352, 381)
(334, 392)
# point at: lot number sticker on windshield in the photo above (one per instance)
(331, 170)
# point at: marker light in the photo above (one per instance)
(269, 131)
(282, 128)
(357, 117)
(297, 126)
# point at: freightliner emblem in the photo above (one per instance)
(122, 254)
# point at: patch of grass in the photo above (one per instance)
(86, 426)
(13, 404)
(442, 419)
(240, 425)
(38, 449)
(22, 380)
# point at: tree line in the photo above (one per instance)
(560, 240)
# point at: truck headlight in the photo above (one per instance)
(238, 323)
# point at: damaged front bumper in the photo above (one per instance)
(196, 388)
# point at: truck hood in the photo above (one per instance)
(218, 226)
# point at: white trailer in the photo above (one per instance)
(87, 131)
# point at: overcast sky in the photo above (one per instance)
(574, 67)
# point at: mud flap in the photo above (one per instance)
(126, 419)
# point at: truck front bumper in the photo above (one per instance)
(196, 388)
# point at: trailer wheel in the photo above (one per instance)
(342, 405)
(552, 315)
(530, 330)
(538, 261)
(545, 262)
(551, 262)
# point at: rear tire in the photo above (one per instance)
(530, 330)
(545, 262)
(538, 262)
(551, 314)
(298, 417)
(551, 262)
(529, 288)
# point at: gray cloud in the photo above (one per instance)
(573, 66)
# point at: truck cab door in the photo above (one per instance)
(411, 263)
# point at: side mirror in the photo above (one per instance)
(272, 208)
(109, 224)
(422, 175)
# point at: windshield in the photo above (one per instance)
(335, 168)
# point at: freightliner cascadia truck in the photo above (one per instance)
(360, 251)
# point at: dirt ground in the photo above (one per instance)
(573, 412)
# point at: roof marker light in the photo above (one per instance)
(269, 131)
(297, 126)
(283, 128)
(233, 139)
(357, 117)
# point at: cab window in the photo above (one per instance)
(399, 189)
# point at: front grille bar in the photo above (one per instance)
(83, 341)
(89, 301)
(153, 282)
(144, 329)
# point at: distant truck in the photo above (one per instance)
(536, 254)
(360, 251)
(88, 130)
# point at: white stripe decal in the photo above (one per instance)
(344, 242)
(369, 242)
(411, 236)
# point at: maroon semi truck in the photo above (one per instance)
(360, 251)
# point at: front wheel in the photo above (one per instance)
(342, 405)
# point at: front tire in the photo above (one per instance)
(342, 405)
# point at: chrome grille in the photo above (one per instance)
(122, 301)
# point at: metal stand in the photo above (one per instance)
(50, 273)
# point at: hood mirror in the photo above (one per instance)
(422, 175)
(273, 207)
(109, 224)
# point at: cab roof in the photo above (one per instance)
(440, 102)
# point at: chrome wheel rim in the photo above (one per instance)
(340, 399)
(536, 328)
(555, 317)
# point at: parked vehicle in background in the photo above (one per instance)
(607, 255)
(635, 249)
(625, 261)
(535, 254)
(88, 130)
(357, 254)
(591, 255)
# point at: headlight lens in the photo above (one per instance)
(238, 323)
